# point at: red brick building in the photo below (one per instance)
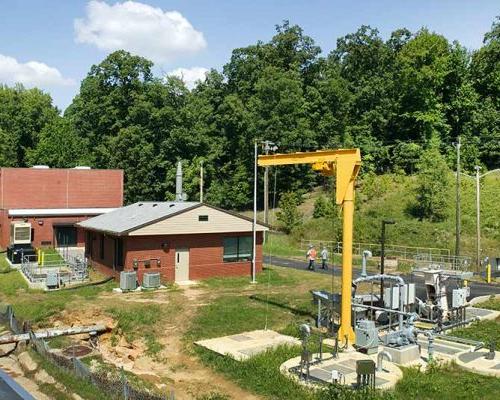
(53, 200)
(181, 240)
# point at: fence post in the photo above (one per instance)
(125, 386)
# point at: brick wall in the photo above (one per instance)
(60, 188)
(43, 228)
(205, 255)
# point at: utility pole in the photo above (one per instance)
(201, 181)
(477, 178)
(478, 218)
(458, 144)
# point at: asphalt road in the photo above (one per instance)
(476, 288)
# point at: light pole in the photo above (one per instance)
(254, 223)
(477, 178)
(382, 256)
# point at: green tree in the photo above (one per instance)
(320, 207)
(485, 73)
(289, 215)
(23, 115)
(433, 182)
(59, 146)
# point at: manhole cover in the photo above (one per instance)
(77, 351)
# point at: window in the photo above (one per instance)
(101, 247)
(237, 249)
(202, 218)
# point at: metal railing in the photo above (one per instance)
(391, 250)
(68, 269)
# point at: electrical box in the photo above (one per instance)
(20, 233)
(393, 295)
(365, 367)
(459, 297)
(366, 336)
(151, 280)
(128, 280)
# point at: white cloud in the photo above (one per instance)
(31, 73)
(161, 36)
(190, 76)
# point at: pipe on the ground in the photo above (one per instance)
(380, 358)
(49, 333)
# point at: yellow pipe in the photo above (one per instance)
(346, 332)
(488, 273)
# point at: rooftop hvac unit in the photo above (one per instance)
(151, 280)
(128, 280)
(20, 233)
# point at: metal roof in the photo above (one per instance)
(134, 216)
(50, 212)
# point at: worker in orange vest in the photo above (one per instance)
(311, 257)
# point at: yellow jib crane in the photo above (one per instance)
(345, 165)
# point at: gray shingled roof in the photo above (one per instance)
(135, 216)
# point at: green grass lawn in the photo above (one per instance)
(283, 307)
(36, 305)
(4, 265)
(491, 304)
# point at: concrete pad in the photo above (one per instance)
(482, 313)
(186, 283)
(321, 371)
(475, 362)
(247, 344)
(403, 355)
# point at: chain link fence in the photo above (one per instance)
(116, 387)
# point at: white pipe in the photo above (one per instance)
(380, 358)
(49, 333)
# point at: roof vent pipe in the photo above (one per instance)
(179, 194)
(40, 167)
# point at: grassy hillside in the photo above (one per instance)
(389, 196)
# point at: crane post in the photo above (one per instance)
(345, 164)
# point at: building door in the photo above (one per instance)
(181, 265)
(65, 236)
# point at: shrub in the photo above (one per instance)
(289, 215)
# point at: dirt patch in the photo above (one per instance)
(173, 368)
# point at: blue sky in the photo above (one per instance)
(202, 33)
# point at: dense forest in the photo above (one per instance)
(397, 99)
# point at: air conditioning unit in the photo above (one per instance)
(52, 280)
(128, 280)
(20, 233)
(151, 280)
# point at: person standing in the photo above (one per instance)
(311, 257)
(324, 258)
